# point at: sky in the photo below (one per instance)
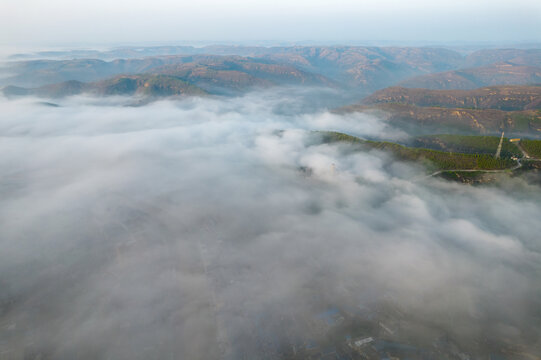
(67, 22)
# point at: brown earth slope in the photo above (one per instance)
(150, 85)
(454, 120)
(213, 74)
(364, 68)
(526, 57)
(368, 67)
(495, 97)
(235, 73)
(471, 78)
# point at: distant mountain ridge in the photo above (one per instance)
(232, 70)
(472, 78)
(524, 57)
(362, 68)
(235, 73)
(194, 75)
(149, 85)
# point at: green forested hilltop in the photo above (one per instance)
(433, 159)
(438, 120)
(467, 144)
(445, 160)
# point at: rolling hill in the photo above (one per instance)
(471, 78)
(435, 120)
(149, 85)
(489, 110)
(361, 68)
(467, 144)
(235, 69)
(368, 68)
(432, 159)
(215, 74)
(495, 97)
(236, 74)
(36, 73)
(525, 57)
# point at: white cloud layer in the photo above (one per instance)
(185, 228)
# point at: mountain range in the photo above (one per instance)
(232, 70)
(356, 67)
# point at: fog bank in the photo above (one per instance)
(216, 228)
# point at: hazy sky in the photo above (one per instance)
(38, 22)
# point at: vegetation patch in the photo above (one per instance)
(532, 147)
(445, 160)
(433, 159)
(467, 177)
(467, 144)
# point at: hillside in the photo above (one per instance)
(496, 97)
(525, 57)
(149, 85)
(432, 159)
(362, 68)
(532, 147)
(235, 73)
(358, 68)
(236, 69)
(370, 68)
(214, 74)
(471, 78)
(467, 144)
(430, 120)
(152, 85)
(36, 73)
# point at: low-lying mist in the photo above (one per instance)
(215, 228)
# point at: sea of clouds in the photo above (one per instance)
(183, 229)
